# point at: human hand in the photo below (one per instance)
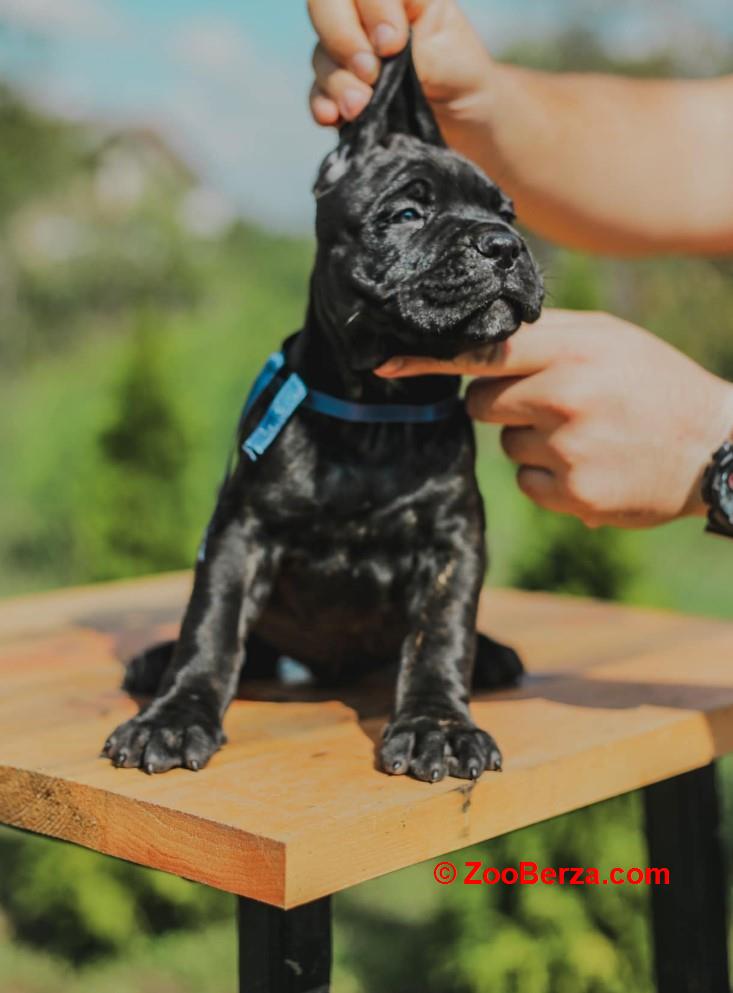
(606, 421)
(450, 59)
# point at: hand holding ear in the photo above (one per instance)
(355, 34)
(606, 421)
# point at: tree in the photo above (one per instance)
(142, 493)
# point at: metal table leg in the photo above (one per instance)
(284, 951)
(689, 916)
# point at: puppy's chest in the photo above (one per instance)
(352, 570)
(335, 544)
(353, 478)
(349, 514)
(344, 528)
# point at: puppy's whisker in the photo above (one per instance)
(353, 317)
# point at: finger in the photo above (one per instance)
(477, 362)
(385, 23)
(324, 110)
(517, 356)
(528, 446)
(529, 350)
(342, 35)
(349, 94)
(502, 401)
(543, 487)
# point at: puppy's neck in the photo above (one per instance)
(342, 363)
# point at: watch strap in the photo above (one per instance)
(720, 468)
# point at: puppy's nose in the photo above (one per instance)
(498, 244)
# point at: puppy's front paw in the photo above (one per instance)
(157, 741)
(430, 749)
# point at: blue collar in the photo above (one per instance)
(294, 393)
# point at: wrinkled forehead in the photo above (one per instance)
(403, 159)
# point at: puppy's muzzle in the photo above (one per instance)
(497, 243)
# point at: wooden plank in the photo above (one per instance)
(293, 808)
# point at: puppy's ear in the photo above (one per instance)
(398, 105)
(335, 165)
(409, 112)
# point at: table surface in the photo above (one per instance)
(293, 807)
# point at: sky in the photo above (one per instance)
(225, 81)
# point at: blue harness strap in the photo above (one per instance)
(284, 404)
(270, 369)
(380, 413)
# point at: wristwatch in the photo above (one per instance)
(717, 491)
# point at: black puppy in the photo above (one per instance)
(351, 534)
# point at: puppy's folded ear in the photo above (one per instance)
(408, 112)
(398, 105)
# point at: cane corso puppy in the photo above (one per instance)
(356, 539)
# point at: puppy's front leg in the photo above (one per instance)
(182, 724)
(431, 733)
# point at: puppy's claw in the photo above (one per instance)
(430, 749)
(165, 741)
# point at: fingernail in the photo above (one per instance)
(352, 102)
(390, 366)
(384, 37)
(365, 65)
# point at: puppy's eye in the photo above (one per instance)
(406, 214)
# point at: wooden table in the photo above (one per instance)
(293, 809)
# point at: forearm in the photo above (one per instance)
(605, 163)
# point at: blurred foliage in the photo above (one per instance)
(579, 48)
(139, 507)
(568, 557)
(511, 939)
(127, 341)
(79, 905)
(39, 153)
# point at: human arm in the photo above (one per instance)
(592, 161)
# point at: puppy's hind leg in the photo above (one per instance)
(261, 659)
(497, 666)
(144, 672)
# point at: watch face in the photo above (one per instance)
(725, 494)
(723, 482)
